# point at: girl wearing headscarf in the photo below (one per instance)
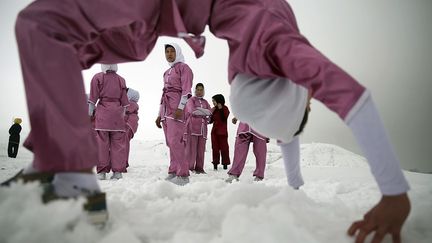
(177, 90)
(108, 91)
(197, 113)
(131, 119)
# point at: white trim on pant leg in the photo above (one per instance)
(291, 158)
(370, 134)
(274, 107)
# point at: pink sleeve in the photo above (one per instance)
(186, 80)
(94, 89)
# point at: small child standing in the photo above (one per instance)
(197, 114)
(245, 136)
(131, 119)
(219, 133)
(14, 138)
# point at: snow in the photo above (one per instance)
(144, 208)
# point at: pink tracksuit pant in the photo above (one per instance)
(112, 151)
(241, 151)
(195, 149)
(174, 139)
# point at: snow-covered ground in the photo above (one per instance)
(144, 208)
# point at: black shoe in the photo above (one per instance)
(95, 206)
(42, 177)
(225, 167)
(215, 166)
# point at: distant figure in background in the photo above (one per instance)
(131, 119)
(14, 138)
(197, 115)
(245, 136)
(108, 90)
(219, 133)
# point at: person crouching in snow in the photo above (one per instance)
(197, 115)
(14, 138)
(131, 119)
(108, 90)
(245, 136)
(271, 68)
(177, 90)
(219, 132)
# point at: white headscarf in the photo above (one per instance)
(179, 54)
(279, 98)
(133, 95)
(109, 67)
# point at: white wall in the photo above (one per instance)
(385, 44)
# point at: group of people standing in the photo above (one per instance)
(113, 109)
(184, 119)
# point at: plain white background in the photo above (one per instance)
(384, 44)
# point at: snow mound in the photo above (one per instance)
(328, 155)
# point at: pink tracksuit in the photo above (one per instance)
(177, 83)
(110, 90)
(131, 125)
(196, 132)
(245, 136)
(58, 39)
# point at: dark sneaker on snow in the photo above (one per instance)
(232, 178)
(95, 205)
(42, 177)
(116, 176)
(170, 176)
(258, 178)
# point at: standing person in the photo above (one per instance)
(197, 114)
(177, 90)
(219, 132)
(14, 138)
(245, 136)
(269, 58)
(108, 90)
(131, 119)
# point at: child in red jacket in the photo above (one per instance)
(219, 133)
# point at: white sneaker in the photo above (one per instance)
(116, 176)
(231, 178)
(101, 176)
(180, 180)
(170, 176)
